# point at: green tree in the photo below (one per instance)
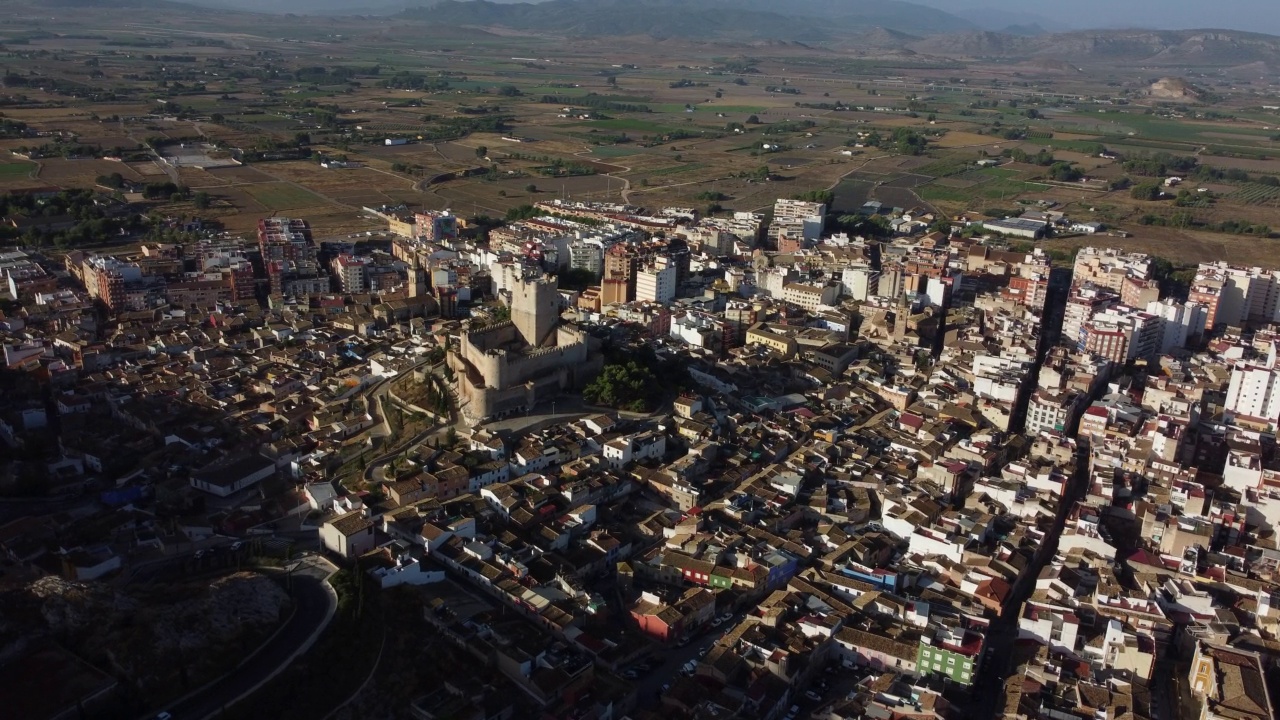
(576, 279)
(826, 197)
(1064, 172)
(201, 200)
(628, 386)
(908, 142)
(482, 152)
(1145, 191)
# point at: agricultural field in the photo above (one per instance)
(668, 131)
(1256, 194)
(282, 196)
(16, 171)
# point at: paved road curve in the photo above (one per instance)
(314, 608)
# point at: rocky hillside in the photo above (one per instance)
(1151, 47)
(161, 638)
(1172, 88)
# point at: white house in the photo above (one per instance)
(228, 476)
(320, 495)
(392, 566)
(641, 446)
(1054, 626)
(350, 535)
(1088, 228)
(91, 565)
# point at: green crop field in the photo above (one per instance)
(1152, 128)
(616, 151)
(629, 125)
(1256, 194)
(994, 190)
(1084, 146)
(945, 167)
(982, 175)
(13, 171)
(282, 196)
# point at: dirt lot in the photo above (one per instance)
(241, 174)
(201, 179)
(1185, 247)
(1270, 167)
(80, 173)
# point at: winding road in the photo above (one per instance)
(316, 604)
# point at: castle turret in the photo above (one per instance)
(535, 309)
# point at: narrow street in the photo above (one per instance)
(988, 692)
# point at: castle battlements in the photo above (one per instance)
(489, 329)
(513, 365)
(540, 352)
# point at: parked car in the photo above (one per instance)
(812, 695)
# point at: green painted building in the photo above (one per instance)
(938, 660)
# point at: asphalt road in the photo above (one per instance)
(649, 685)
(313, 606)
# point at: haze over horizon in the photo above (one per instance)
(1054, 16)
(1050, 15)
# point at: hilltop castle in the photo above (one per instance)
(512, 366)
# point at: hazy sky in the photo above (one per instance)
(1252, 15)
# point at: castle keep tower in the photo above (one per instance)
(535, 310)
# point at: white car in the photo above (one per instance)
(165, 716)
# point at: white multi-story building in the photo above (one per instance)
(351, 272)
(797, 219)
(1182, 321)
(1236, 295)
(771, 281)
(859, 282)
(1108, 267)
(657, 282)
(1083, 303)
(1254, 391)
(1122, 334)
(810, 297)
(700, 330)
(1052, 410)
(587, 255)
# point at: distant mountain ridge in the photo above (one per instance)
(805, 20)
(904, 28)
(1157, 47)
